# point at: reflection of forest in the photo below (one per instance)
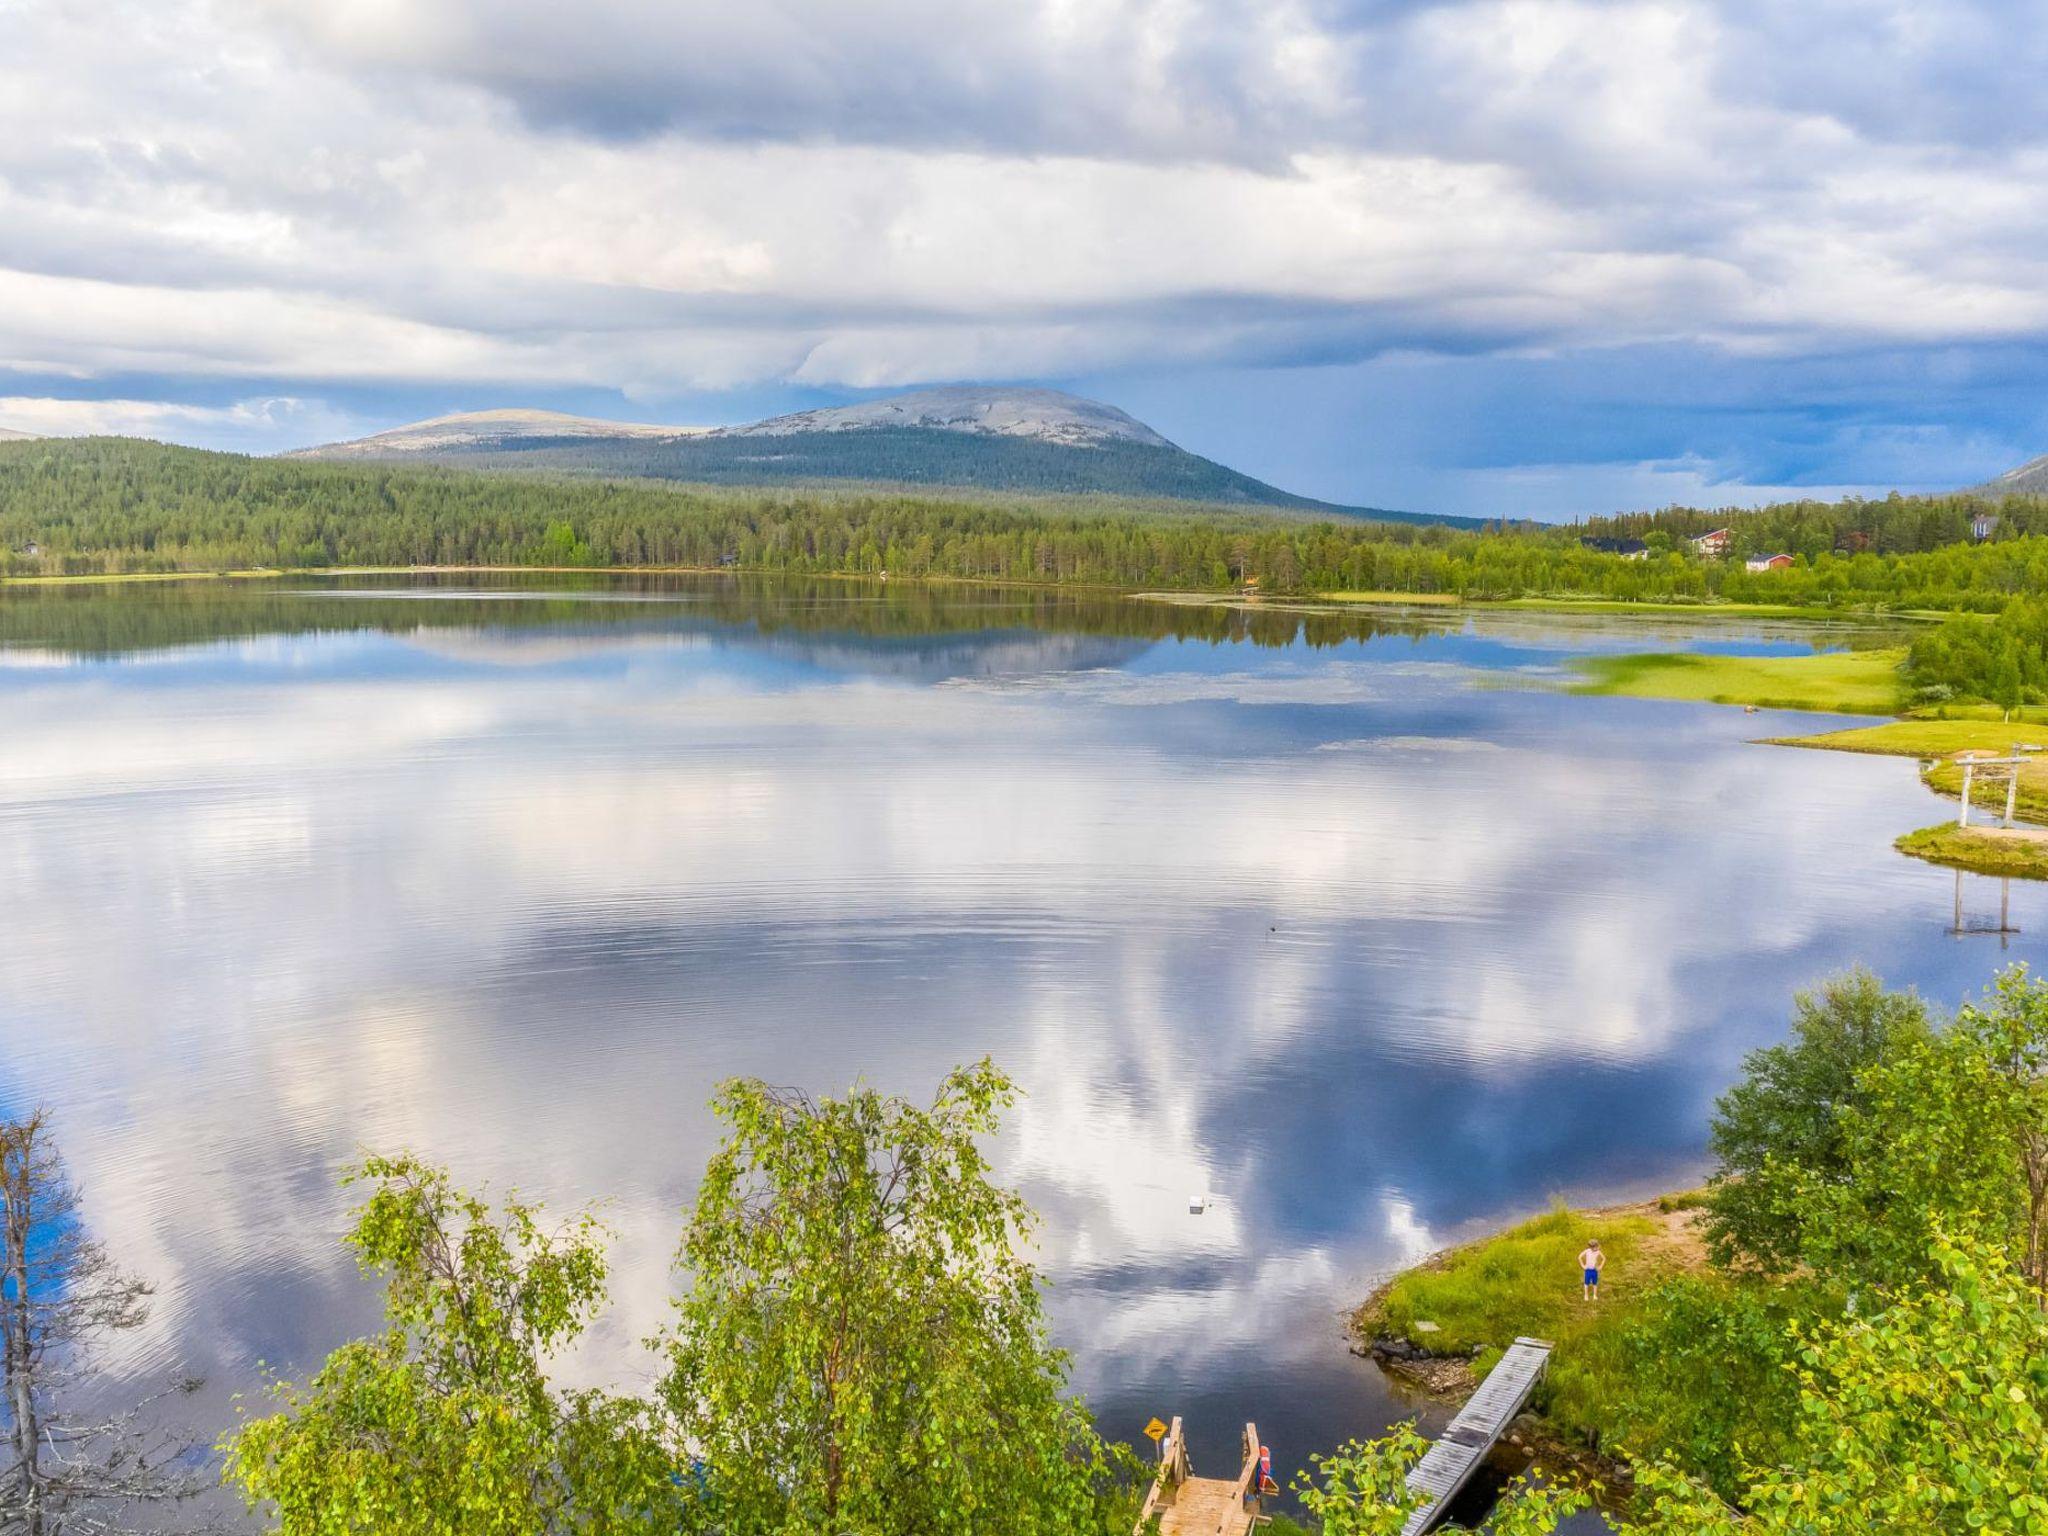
(102, 620)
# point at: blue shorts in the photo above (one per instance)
(1592, 1277)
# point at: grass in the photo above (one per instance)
(264, 573)
(1842, 682)
(1396, 599)
(1978, 851)
(129, 578)
(1712, 610)
(1526, 1281)
(1923, 738)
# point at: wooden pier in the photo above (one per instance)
(1187, 1505)
(1449, 1463)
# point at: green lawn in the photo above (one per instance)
(1843, 682)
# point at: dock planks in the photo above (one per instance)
(1450, 1462)
(1186, 1505)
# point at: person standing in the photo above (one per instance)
(1591, 1262)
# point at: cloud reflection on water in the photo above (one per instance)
(1285, 935)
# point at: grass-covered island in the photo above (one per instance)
(2019, 851)
(1839, 682)
(1819, 1301)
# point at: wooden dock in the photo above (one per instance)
(1449, 1463)
(1187, 1505)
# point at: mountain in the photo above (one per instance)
(469, 432)
(2031, 478)
(993, 438)
(1043, 414)
(9, 435)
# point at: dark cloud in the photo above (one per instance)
(1227, 79)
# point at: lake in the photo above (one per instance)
(1355, 923)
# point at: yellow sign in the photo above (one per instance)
(1155, 1429)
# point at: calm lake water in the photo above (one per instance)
(1357, 924)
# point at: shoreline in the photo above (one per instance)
(1332, 602)
(1506, 1283)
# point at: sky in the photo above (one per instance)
(1498, 257)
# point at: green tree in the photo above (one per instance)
(1708, 1384)
(1952, 1136)
(1362, 1489)
(861, 1348)
(1928, 1415)
(446, 1424)
(559, 545)
(1781, 1132)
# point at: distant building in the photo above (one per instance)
(1983, 525)
(1628, 549)
(1713, 545)
(1767, 562)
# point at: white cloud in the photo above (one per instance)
(256, 421)
(648, 198)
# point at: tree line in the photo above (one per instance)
(110, 505)
(857, 1343)
(115, 505)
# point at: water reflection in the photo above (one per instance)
(1306, 920)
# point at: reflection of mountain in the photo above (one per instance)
(910, 658)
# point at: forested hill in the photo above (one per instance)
(88, 505)
(921, 458)
(2029, 479)
(980, 436)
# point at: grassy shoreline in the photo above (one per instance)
(279, 573)
(1936, 745)
(1340, 599)
(1981, 850)
(1466, 1304)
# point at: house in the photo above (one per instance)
(1628, 549)
(1983, 525)
(1713, 545)
(1766, 562)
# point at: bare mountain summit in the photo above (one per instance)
(1044, 414)
(2030, 479)
(9, 435)
(484, 431)
(988, 437)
